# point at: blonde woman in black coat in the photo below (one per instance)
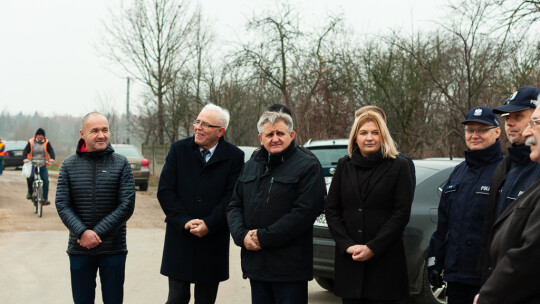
(367, 209)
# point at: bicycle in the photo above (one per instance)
(37, 185)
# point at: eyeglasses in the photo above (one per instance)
(204, 124)
(478, 131)
(534, 122)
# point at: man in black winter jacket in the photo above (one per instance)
(277, 197)
(515, 173)
(95, 197)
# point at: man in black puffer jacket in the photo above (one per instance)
(95, 197)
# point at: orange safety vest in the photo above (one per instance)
(31, 141)
(1, 146)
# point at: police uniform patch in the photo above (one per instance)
(478, 112)
(451, 188)
(512, 97)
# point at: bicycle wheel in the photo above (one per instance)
(39, 205)
(34, 197)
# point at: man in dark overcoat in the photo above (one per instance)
(515, 245)
(195, 188)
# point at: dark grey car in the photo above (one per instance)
(431, 175)
(13, 156)
(140, 166)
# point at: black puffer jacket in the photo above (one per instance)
(96, 191)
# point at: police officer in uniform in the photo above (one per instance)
(455, 245)
(515, 173)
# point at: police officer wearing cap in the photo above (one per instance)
(455, 245)
(515, 173)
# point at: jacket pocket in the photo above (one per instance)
(282, 190)
(247, 182)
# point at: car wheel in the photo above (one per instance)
(430, 294)
(325, 283)
(143, 187)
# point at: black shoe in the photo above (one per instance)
(45, 203)
(28, 196)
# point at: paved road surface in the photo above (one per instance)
(34, 266)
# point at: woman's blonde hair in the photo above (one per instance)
(388, 147)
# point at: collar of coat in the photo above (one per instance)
(276, 159)
(216, 156)
(490, 155)
(97, 154)
(520, 154)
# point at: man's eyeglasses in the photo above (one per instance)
(478, 131)
(534, 122)
(204, 124)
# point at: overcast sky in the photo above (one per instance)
(48, 62)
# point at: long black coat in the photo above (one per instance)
(377, 222)
(515, 250)
(189, 189)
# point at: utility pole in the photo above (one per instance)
(127, 113)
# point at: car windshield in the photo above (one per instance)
(128, 151)
(329, 155)
(423, 173)
(15, 145)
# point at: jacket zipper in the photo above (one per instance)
(94, 182)
(269, 189)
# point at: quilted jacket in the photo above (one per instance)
(96, 191)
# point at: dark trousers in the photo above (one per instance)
(179, 292)
(367, 301)
(83, 277)
(458, 293)
(45, 177)
(278, 292)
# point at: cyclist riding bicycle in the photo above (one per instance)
(39, 147)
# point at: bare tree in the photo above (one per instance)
(525, 12)
(272, 56)
(150, 40)
(462, 61)
(285, 58)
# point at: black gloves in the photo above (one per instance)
(435, 277)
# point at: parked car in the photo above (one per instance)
(140, 166)
(431, 175)
(13, 156)
(328, 152)
(248, 151)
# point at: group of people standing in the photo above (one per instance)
(485, 245)
(268, 206)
